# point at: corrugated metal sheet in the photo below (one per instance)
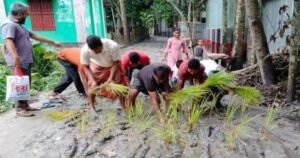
(271, 19)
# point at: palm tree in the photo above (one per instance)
(259, 40)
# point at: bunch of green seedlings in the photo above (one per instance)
(269, 122)
(140, 117)
(109, 121)
(235, 132)
(115, 89)
(222, 81)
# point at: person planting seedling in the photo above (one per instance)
(150, 80)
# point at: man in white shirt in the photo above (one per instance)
(101, 60)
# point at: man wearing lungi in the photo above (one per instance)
(101, 60)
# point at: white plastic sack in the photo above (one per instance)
(17, 88)
(210, 66)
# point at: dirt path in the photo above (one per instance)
(108, 136)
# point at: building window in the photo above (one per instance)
(41, 14)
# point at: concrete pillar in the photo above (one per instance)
(2, 11)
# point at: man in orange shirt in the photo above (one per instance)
(133, 59)
(69, 58)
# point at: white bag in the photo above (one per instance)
(17, 88)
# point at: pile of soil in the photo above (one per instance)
(277, 93)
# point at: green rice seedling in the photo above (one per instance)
(194, 115)
(219, 80)
(180, 97)
(83, 122)
(167, 133)
(139, 117)
(269, 122)
(210, 104)
(238, 131)
(230, 114)
(190, 93)
(135, 111)
(60, 115)
(116, 89)
(110, 120)
(250, 95)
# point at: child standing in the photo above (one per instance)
(175, 47)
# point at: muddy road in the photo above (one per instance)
(112, 135)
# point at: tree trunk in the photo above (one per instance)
(194, 25)
(124, 22)
(189, 11)
(259, 40)
(224, 30)
(114, 19)
(294, 49)
(238, 50)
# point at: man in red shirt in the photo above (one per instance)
(133, 59)
(191, 70)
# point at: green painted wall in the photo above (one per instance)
(95, 19)
(64, 21)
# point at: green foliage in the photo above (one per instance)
(162, 10)
(39, 83)
(147, 19)
(43, 60)
(4, 71)
(46, 72)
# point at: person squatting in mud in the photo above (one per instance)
(191, 70)
(69, 58)
(133, 59)
(101, 60)
(150, 80)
